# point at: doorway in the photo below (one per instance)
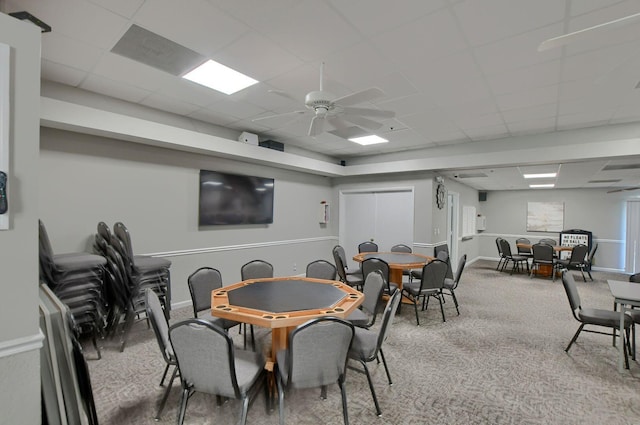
(453, 201)
(632, 261)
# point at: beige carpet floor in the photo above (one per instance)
(501, 361)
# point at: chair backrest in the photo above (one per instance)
(256, 269)
(461, 264)
(401, 248)
(548, 241)
(444, 249)
(523, 250)
(122, 233)
(368, 246)
(572, 291)
(201, 283)
(317, 352)
(44, 241)
(433, 275)
(159, 323)
(387, 318)
(205, 356)
(342, 274)
(372, 264)
(578, 255)
(542, 252)
(104, 231)
(373, 286)
(321, 269)
(592, 253)
(506, 247)
(499, 246)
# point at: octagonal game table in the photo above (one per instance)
(282, 303)
(398, 261)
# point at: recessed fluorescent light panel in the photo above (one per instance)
(219, 77)
(369, 140)
(540, 176)
(541, 186)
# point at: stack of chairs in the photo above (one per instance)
(129, 277)
(77, 279)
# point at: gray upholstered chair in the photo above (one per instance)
(256, 269)
(201, 283)
(548, 241)
(451, 284)
(501, 259)
(525, 252)
(316, 356)
(594, 316)
(368, 246)
(517, 260)
(444, 248)
(589, 262)
(372, 264)
(354, 280)
(339, 251)
(401, 248)
(543, 255)
(321, 269)
(577, 260)
(430, 285)
(367, 344)
(365, 316)
(209, 363)
(160, 326)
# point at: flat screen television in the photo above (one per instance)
(234, 199)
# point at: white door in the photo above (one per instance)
(386, 216)
(632, 263)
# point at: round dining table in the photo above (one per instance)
(398, 262)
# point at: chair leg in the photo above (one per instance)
(343, 391)
(589, 273)
(323, 392)
(183, 405)
(245, 409)
(373, 391)
(455, 300)
(574, 337)
(280, 398)
(386, 369)
(166, 393)
(441, 307)
(164, 374)
(415, 307)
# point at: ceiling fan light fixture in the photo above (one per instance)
(368, 140)
(219, 77)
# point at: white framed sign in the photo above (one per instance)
(5, 70)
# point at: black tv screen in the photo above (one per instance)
(234, 199)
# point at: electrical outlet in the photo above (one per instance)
(295, 267)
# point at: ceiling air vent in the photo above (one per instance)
(605, 181)
(471, 175)
(621, 167)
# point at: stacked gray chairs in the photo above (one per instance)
(430, 285)
(77, 279)
(368, 246)
(321, 269)
(160, 326)
(316, 356)
(594, 317)
(201, 283)
(209, 363)
(452, 284)
(365, 315)
(367, 344)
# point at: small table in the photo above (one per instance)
(624, 293)
(282, 303)
(398, 261)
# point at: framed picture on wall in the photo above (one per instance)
(545, 216)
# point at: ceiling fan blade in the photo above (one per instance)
(317, 126)
(368, 112)
(359, 97)
(338, 124)
(585, 33)
(279, 115)
(362, 122)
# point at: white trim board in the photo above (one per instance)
(21, 345)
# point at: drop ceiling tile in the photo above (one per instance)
(71, 52)
(486, 133)
(531, 126)
(117, 89)
(482, 25)
(217, 118)
(236, 109)
(548, 110)
(125, 8)
(119, 68)
(531, 77)
(585, 119)
(61, 73)
(190, 92)
(478, 121)
(164, 103)
(528, 98)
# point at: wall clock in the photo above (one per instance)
(440, 196)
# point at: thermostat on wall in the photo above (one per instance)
(250, 138)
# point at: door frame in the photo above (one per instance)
(453, 220)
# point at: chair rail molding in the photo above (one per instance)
(21, 345)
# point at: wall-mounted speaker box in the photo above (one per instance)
(272, 144)
(250, 138)
(482, 196)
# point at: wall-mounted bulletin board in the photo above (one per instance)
(5, 68)
(545, 216)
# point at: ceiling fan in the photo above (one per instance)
(586, 33)
(338, 112)
(622, 189)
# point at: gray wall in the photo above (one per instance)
(154, 192)
(588, 209)
(19, 335)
